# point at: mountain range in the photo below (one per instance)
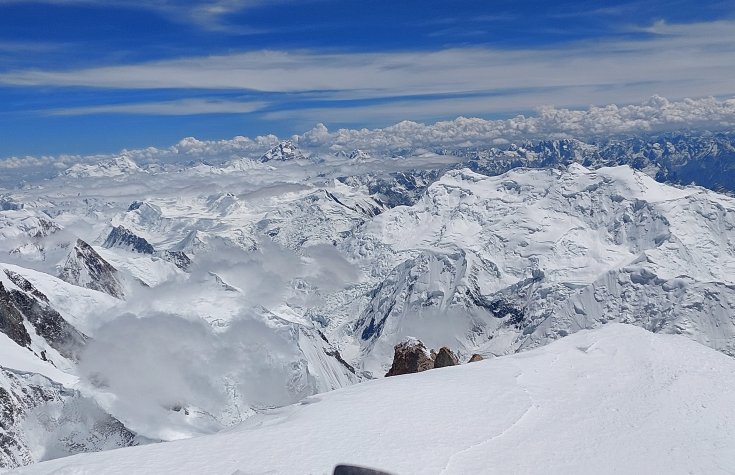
(147, 301)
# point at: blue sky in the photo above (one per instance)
(87, 76)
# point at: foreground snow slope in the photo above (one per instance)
(612, 400)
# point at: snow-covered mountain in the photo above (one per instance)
(86, 268)
(704, 159)
(181, 299)
(497, 264)
(617, 399)
(113, 167)
(286, 150)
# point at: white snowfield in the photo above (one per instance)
(612, 400)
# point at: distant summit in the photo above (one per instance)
(116, 166)
(358, 154)
(355, 154)
(286, 150)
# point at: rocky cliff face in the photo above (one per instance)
(124, 238)
(85, 267)
(121, 237)
(23, 307)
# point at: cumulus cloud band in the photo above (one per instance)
(654, 115)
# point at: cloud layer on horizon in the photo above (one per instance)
(657, 114)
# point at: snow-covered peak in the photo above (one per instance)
(286, 150)
(112, 167)
(83, 266)
(358, 154)
(535, 254)
(547, 217)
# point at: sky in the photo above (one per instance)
(96, 76)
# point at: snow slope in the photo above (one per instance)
(613, 400)
(19, 359)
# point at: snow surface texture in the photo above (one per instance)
(612, 400)
(182, 298)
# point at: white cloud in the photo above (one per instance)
(654, 115)
(386, 112)
(207, 14)
(246, 365)
(178, 107)
(673, 60)
(688, 60)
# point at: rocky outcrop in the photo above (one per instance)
(11, 319)
(9, 204)
(120, 236)
(445, 357)
(475, 358)
(177, 258)
(20, 301)
(86, 268)
(411, 356)
(124, 238)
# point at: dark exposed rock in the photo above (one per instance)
(411, 356)
(370, 209)
(125, 238)
(24, 285)
(475, 358)
(9, 204)
(335, 354)
(445, 357)
(399, 188)
(27, 303)
(135, 205)
(356, 470)
(177, 258)
(86, 268)
(11, 320)
(221, 282)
